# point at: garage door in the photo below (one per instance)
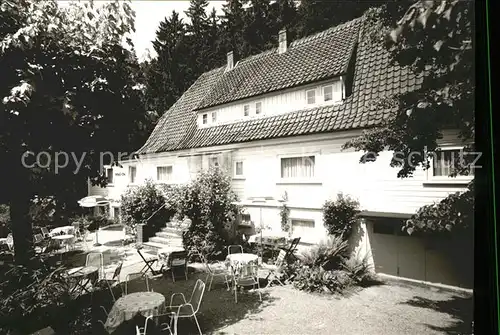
(398, 254)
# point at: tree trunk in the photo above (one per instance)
(22, 230)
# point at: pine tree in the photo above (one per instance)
(233, 28)
(260, 30)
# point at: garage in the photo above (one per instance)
(436, 260)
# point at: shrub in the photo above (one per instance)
(327, 254)
(42, 211)
(340, 216)
(454, 213)
(38, 291)
(208, 203)
(359, 270)
(285, 215)
(4, 220)
(140, 203)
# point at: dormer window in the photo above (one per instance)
(258, 108)
(246, 110)
(205, 118)
(311, 97)
(214, 117)
(328, 93)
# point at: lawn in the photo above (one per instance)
(391, 308)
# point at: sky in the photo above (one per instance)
(149, 14)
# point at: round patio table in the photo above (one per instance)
(241, 262)
(63, 239)
(67, 230)
(125, 308)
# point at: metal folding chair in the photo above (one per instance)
(148, 264)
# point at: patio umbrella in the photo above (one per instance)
(91, 202)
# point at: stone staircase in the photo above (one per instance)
(170, 236)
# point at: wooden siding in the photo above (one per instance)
(272, 104)
(374, 184)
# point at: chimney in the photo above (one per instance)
(282, 41)
(230, 61)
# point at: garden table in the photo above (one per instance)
(164, 254)
(67, 230)
(240, 262)
(64, 239)
(83, 276)
(125, 308)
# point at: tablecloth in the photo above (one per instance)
(67, 230)
(125, 308)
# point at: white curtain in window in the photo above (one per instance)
(164, 173)
(297, 167)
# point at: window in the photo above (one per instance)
(214, 117)
(246, 110)
(205, 118)
(164, 173)
(445, 160)
(214, 161)
(298, 167)
(238, 169)
(301, 227)
(258, 108)
(327, 93)
(311, 97)
(109, 175)
(132, 171)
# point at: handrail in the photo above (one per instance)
(149, 218)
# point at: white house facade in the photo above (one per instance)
(277, 121)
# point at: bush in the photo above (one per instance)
(4, 220)
(208, 203)
(36, 294)
(340, 216)
(454, 213)
(140, 203)
(327, 254)
(326, 268)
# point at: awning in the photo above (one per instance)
(93, 201)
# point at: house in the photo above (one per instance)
(276, 122)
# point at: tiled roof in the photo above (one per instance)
(321, 56)
(374, 77)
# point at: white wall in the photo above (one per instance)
(375, 185)
(272, 104)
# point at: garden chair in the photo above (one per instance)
(133, 276)
(45, 232)
(96, 259)
(290, 251)
(216, 272)
(244, 276)
(149, 261)
(188, 309)
(234, 249)
(38, 238)
(177, 260)
(113, 281)
(157, 320)
(276, 271)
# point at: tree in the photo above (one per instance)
(234, 26)
(260, 30)
(68, 75)
(315, 15)
(436, 38)
(168, 76)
